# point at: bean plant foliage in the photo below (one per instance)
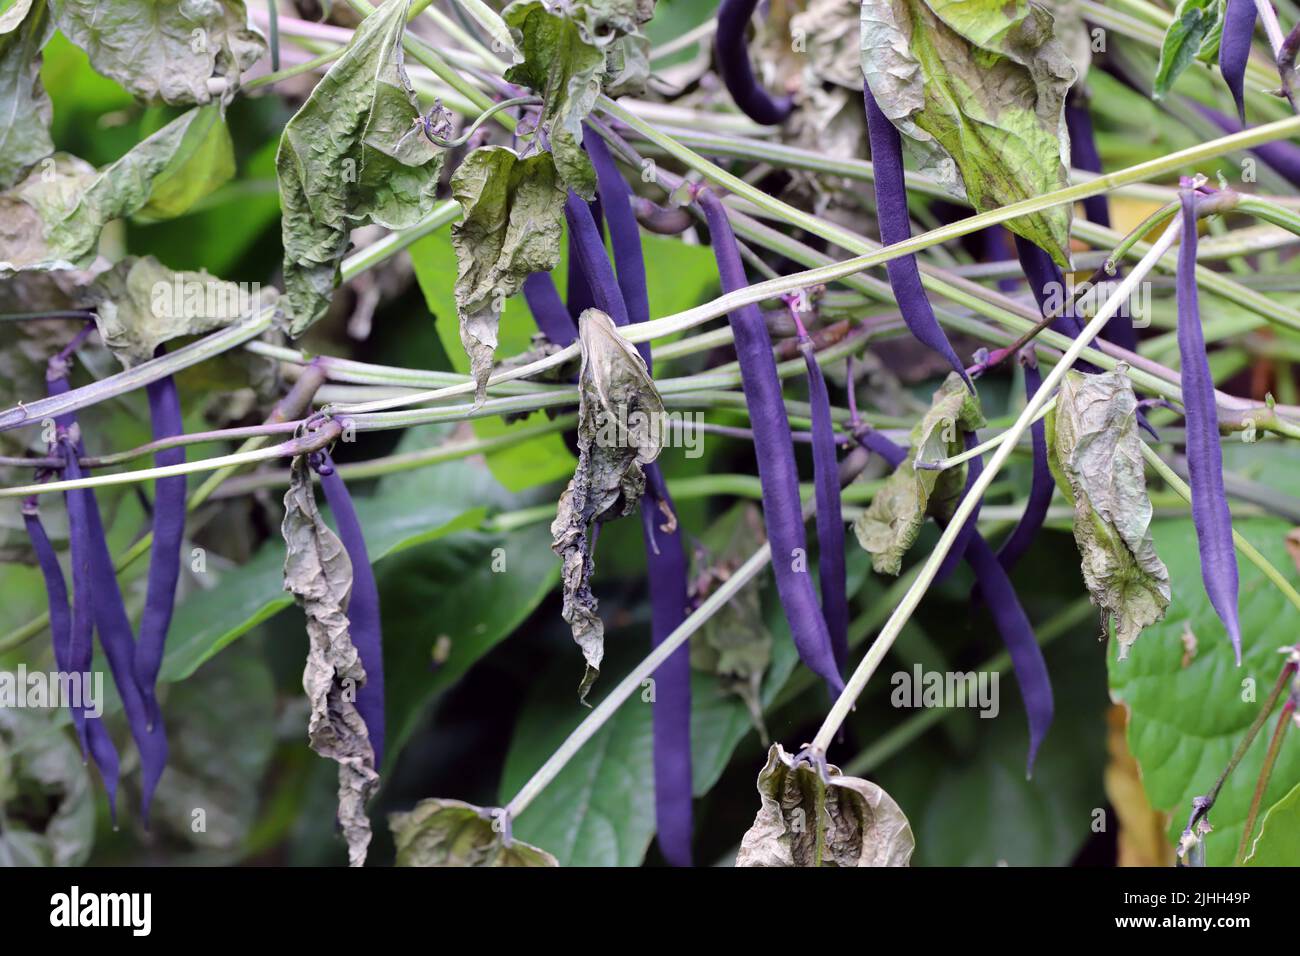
(820, 369)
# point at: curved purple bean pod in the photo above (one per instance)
(1282, 156)
(587, 253)
(1210, 511)
(364, 626)
(165, 553)
(967, 532)
(737, 72)
(581, 296)
(1042, 485)
(829, 515)
(1046, 281)
(891, 210)
(1234, 49)
(624, 232)
(549, 311)
(774, 449)
(1008, 615)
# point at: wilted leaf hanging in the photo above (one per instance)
(839, 821)
(889, 526)
(318, 573)
(350, 157)
(620, 421)
(140, 304)
(24, 105)
(452, 833)
(977, 87)
(510, 227)
(177, 51)
(1097, 458)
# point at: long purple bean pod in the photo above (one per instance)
(1234, 49)
(1045, 279)
(1282, 156)
(364, 625)
(891, 210)
(736, 70)
(1041, 486)
(165, 552)
(581, 296)
(958, 549)
(624, 232)
(774, 449)
(1008, 615)
(587, 251)
(1210, 511)
(549, 311)
(830, 515)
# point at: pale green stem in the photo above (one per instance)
(983, 448)
(893, 627)
(394, 242)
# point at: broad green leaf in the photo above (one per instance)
(204, 159)
(192, 51)
(348, 157)
(620, 429)
(566, 71)
(46, 801)
(509, 229)
(319, 574)
(889, 526)
(1188, 710)
(55, 215)
(1278, 840)
(25, 109)
(524, 464)
(1193, 34)
(1096, 453)
(977, 87)
(452, 833)
(141, 304)
(808, 820)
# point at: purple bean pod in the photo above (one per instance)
(549, 311)
(1042, 485)
(967, 532)
(581, 296)
(774, 449)
(1210, 511)
(364, 625)
(830, 515)
(1234, 49)
(165, 553)
(1008, 615)
(895, 227)
(737, 72)
(587, 254)
(1045, 278)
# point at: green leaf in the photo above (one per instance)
(318, 572)
(56, 214)
(179, 53)
(1193, 34)
(452, 833)
(509, 229)
(977, 87)
(25, 109)
(1096, 453)
(203, 161)
(348, 157)
(889, 526)
(566, 70)
(140, 304)
(620, 429)
(1278, 843)
(809, 820)
(46, 802)
(1185, 721)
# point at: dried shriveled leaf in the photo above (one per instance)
(25, 109)
(830, 35)
(191, 51)
(318, 573)
(889, 526)
(977, 87)
(349, 157)
(1097, 459)
(53, 218)
(510, 227)
(620, 420)
(452, 833)
(565, 67)
(806, 820)
(140, 304)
